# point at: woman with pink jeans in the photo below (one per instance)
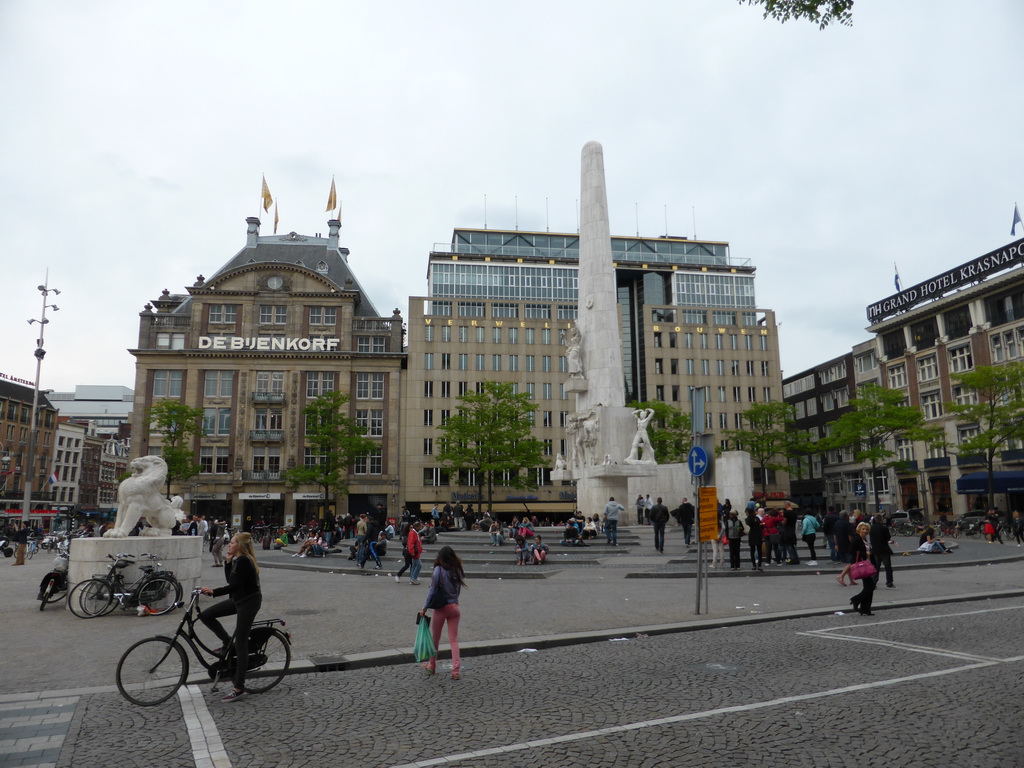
(443, 597)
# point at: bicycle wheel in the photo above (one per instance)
(270, 656)
(91, 598)
(31, 550)
(48, 590)
(152, 671)
(160, 594)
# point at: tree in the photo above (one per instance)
(179, 424)
(335, 441)
(490, 435)
(997, 409)
(670, 432)
(822, 12)
(879, 417)
(767, 437)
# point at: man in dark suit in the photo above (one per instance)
(881, 542)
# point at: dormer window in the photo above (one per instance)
(321, 267)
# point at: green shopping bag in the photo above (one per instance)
(423, 649)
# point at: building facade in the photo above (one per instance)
(500, 304)
(282, 322)
(15, 436)
(108, 409)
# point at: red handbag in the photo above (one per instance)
(862, 569)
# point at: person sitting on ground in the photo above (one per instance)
(376, 549)
(539, 550)
(590, 529)
(571, 536)
(428, 534)
(282, 539)
(929, 544)
(389, 531)
(308, 546)
(522, 551)
(496, 538)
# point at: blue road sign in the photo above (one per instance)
(697, 460)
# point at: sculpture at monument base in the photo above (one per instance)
(641, 440)
(574, 353)
(139, 496)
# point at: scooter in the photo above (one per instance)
(6, 548)
(55, 584)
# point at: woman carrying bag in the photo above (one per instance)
(864, 568)
(446, 584)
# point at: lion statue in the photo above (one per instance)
(140, 496)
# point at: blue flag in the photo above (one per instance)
(1016, 220)
(896, 279)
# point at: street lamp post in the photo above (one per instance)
(33, 434)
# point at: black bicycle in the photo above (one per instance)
(156, 592)
(152, 670)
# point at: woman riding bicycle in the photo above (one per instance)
(245, 598)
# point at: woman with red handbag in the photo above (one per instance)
(865, 568)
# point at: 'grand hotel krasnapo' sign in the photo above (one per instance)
(1008, 256)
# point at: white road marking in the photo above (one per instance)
(207, 748)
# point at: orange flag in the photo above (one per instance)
(267, 199)
(332, 199)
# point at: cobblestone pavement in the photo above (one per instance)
(516, 698)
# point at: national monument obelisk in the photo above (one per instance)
(601, 431)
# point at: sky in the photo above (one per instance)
(135, 136)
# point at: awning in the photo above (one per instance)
(1002, 482)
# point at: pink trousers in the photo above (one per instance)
(451, 614)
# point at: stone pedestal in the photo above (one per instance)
(183, 555)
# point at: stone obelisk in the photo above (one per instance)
(601, 431)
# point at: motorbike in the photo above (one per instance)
(54, 585)
(6, 548)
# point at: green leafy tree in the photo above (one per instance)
(768, 437)
(879, 417)
(997, 409)
(669, 431)
(179, 424)
(820, 12)
(490, 434)
(336, 440)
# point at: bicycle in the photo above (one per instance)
(158, 591)
(32, 547)
(152, 670)
(55, 583)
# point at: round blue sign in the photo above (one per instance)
(697, 460)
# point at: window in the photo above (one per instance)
(428, 446)
(866, 362)
(268, 418)
(463, 333)
(897, 376)
(567, 311)
(964, 396)
(931, 404)
(529, 335)
(369, 386)
(751, 394)
(428, 418)
(659, 366)
(705, 367)
(463, 361)
(266, 459)
(319, 383)
(530, 362)
(927, 368)
(496, 335)
(766, 368)
(546, 418)
(472, 309)
(545, 363)
(223, 313)
(537, 312)
(311, 459)
(270, 381)
(446, 361)
(428, 389)
(721, 394)
(479, 334)
(513, 335)
(480, 366)
(513, 362)
(170, 341)
(372, 420)
(165, 384)
(376, 344)
(737, 394)
(275, 315)
(218, 383)
(216, 421)
(495, 362)
(546, 390)
(503, 309)
(371, 463)
(545, 335)
(904, 449)
(434, 476)
(960, 360)
(446, 389)
(329, 316)
(445, 415)
(428, 361)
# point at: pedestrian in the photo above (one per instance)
(21, 538)
(244, 601)
(772, 522)
(648, 506)
(684, 513)
(357, 545)
(1017, 529)
(204, 530)
(611, 516)
(844, 534)
(755, 537)
(459, 511)
(640, 509)
(881, 546)
(734, 535)
(217, 549)
(717, 547)
(446, 584)
(414, 546)
(809, 531)
(659, 518)
(828, 527)
(789, 516)
(861, 549)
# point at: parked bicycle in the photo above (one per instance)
(151, 671)
(55, 583)
(156, 591)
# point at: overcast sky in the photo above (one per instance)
(134, 136)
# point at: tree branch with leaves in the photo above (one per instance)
(178, 424)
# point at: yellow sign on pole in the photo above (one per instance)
(707, 513)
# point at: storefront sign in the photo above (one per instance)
(5, 377)
(259, 496)
(308, 496)
(971, 272)
(268, 343)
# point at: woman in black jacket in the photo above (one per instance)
(860, 549)
(245, 599)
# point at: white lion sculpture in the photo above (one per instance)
(139, 496)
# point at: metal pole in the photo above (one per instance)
(33, 434)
